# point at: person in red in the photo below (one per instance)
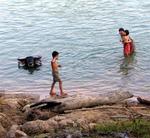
(127, 42)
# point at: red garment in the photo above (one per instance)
(128, 48)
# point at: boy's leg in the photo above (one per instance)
(61, 88)
(52, 89)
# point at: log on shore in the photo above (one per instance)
(143, 101)
(84, 101)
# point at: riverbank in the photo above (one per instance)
(126, 117)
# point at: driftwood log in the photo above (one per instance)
(143, 101)
(60, 105)
(82, 101)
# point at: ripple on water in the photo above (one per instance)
(85, 34)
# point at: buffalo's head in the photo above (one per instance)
(30, 61)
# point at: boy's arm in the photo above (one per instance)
(131, 39)
(53, 63)
(124, 39)
(59, 66)
(121, 40)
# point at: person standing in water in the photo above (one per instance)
(55, 74)
(122, 34)
(127, 42)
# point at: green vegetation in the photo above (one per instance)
(137, 128)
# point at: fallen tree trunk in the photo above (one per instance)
(83, 101)
(143, 101)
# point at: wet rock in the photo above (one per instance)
(113, 135)
(43, 136)
(66, 122)
(22, 102)
(15, 101)
(92, 126)
(11, 132)
(10, 115)
(77, 134)
(59, 118)
(37, 127)
(38, 114)
(53, 123)
(30, 97)
(15, 132)
(5, 121)
(20, 134)
(61, 121)
(68, 134)
(11, 105)
(2, 132)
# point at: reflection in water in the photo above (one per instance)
(127, 64)
(78, 29)
(31, 70)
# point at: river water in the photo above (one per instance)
(85, 32)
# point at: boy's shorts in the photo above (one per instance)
(56, 77)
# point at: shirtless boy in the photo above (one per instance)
(122, 33)
(55, 74)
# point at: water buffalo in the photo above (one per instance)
(30, 61)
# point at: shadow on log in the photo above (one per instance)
(45, 104)
(143, 101)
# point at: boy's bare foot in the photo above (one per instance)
(63, 94)
(52, 94)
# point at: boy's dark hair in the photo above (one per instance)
(127, 32)
(121, 29)
(54, 54)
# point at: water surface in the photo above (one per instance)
(85, 34)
